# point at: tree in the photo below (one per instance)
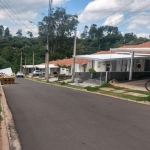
(19, 33)
(30, 34)
(7, 32)
(4, 63)
(85, 32)
(93, 30)
(61, 27)
(1, 30)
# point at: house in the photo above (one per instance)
(27, 69)
(66, 65)
(119, 62)
(63, 66)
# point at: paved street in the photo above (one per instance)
(55, 118)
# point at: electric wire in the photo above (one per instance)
(113, 12)
(130, 15)
(11, 18)
(17, 17)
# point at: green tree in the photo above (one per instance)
(61, 27)
(1, 30)
(85, 32)
(19, 33)
(30, 34)
(93, 31)
(7, 32)
(4, 63)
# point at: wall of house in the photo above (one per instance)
(83, 67)
(65, 71)
(122, 65)
(99, 66)
(140, 61)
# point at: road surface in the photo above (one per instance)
(49, 117)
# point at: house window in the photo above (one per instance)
(99, 64)
(84, 67)
(107, 67)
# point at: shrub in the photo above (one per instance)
(89, 88)
(91, 70)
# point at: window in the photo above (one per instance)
(107, 67)
(98, 65)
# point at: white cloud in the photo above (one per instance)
(99, 9)
(113, 20)
(26, 10)
(78, 34)
(132, 26)
(143, 35)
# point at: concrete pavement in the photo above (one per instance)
(134, 85)
(48, 117)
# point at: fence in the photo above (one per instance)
(107, 76)
(7, 80)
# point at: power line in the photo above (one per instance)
(130, 15)
(133, 18)
(17, 17)
(11, 17)
(114, 12)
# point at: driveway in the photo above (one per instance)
(49, 117)
(134, 85)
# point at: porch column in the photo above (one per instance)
(131, 65)
(128, 65)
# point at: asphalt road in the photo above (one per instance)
(55, 118)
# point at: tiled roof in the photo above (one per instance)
(69, 61)
(143, 45)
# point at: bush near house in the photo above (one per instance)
(91, 70)
(63, 77)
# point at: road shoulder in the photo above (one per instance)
(10, 139)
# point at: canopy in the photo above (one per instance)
(40, 66)
(108, 57)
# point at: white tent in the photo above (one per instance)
(109, 57)
(7, 71)
(40, 66)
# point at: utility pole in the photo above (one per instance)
(21, 62)
(33, 60)
(25, 64)
(74, 54)
(47, 45)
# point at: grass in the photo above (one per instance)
(106, 85)
(121, 95)
(140, 92)
(92, 89)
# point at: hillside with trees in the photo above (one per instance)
(61, 37)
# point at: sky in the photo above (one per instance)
(128, 15)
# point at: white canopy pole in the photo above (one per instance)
(131, 65)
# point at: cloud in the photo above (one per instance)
(132, 26)
(143, 35)
(26, 10)
(113, 20)
(99, 9)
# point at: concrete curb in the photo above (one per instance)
(10, 139)
(139, 102)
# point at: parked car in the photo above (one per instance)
(37, 72)
(20, 74)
